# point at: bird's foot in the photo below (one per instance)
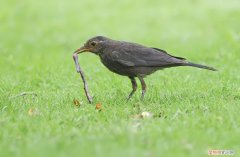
(131, 94)
(143, 94)
(128, 99)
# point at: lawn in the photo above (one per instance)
(193, 110)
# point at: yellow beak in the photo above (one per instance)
(81, 49)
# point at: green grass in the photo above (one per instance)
(194, 110)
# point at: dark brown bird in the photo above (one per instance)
(133, 60)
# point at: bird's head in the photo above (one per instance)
(94, 45)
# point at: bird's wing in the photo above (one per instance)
(160, 50)
(140, 56)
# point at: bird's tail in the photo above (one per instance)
(200, 66)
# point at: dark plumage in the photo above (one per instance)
(133, 60)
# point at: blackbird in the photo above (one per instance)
(133, 60)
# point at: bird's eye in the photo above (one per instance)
(93, 43)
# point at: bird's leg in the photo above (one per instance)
(143, 86)
(134, 87)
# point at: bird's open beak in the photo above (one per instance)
(81, 49)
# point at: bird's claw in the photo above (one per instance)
(143, 94)
(128, 99)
